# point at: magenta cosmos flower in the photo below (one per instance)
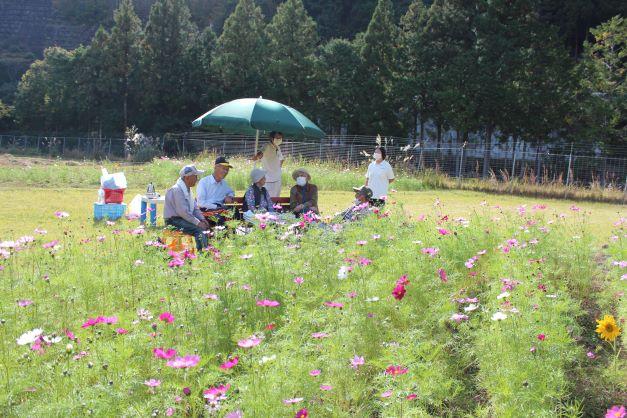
(430, 251)
(184, 362)
(334, 305)
(399, 292)
(100, 320)
(302, 413)
(24, 303)
(230, 363)
(166, 317)
(60, 214)
(164, 353)
(268, 303)
(396, 370)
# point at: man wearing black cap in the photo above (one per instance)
(213, 190)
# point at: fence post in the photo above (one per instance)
(320, 154)
(461, 162)
(570, 163)
(514, 164)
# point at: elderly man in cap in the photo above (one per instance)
(361, 207)
(181, 210)
(213, 190)
(304, 195)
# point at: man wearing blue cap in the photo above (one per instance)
(181, 210)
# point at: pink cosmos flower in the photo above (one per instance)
(591, 355)
(396, 370)
(617, 411)
(292, 401)
(442, 275)
(69, 334)
(386, 394)
(364, 261)
(60, 214)
(50, 244)
(319, 335)
(230, 363)
(357, 361)
(302, 413)
(533, 349)
(443, 231)
(268, 303)
(403, 280)
(249, 342)
(40, 231)
(362, 243)
(184, 362)
(164, 354)
(430, 251)
(411, 397)
(176, 262)
(334, 305)
(166, 317)
(169, 412)
(153, 383)
(24, 303)
(211, 296)
(457, 317)
(216, 392)
(299, 280)
(315, 373)
(399, 292)
(541, 337)
(100, 320)
(326, 387)
(351, 295)
(121, 331)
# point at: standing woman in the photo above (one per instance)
(379, 177)
(272, 161)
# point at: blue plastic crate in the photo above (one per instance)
(111, 211)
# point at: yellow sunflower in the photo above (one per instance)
(607, 328)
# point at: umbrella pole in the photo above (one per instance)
(256, 145)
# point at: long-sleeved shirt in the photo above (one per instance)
(306, 196)
(176, 204)
(212, 193)
(265, 202)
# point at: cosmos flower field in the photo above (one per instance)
(501, 313)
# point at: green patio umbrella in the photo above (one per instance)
(249, 116)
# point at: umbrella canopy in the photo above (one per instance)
(247, 116)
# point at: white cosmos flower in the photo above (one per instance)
(29, 337)
(52, 340)
(471, 307)
(342, 273)
(499, 316)
(503, 295)
(266, 359)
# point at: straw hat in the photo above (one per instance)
(301, 171)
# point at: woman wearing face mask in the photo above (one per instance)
(304, 195)
(272, 161)
(379, 177)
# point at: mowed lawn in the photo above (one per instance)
(25, 208)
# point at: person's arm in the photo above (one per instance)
(230, 194)
(280, 155)
(367, 176)
(390, 174)
(197, 213)
(181, 208)
(293, 198)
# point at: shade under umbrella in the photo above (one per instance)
(249, 116)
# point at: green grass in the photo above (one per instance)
(478, 367)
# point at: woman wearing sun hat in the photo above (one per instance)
(303, 195)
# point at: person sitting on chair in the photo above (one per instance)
(213, 190)
(181, 210)
(304, 195)
(361, 207)
(257, 199)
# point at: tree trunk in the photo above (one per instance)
(487, 151)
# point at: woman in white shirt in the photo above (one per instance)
(379, 177)
(272, 161)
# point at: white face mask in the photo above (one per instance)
(278, 141)
(377, 156)
(301, 181)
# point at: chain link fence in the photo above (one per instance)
(558, 162)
